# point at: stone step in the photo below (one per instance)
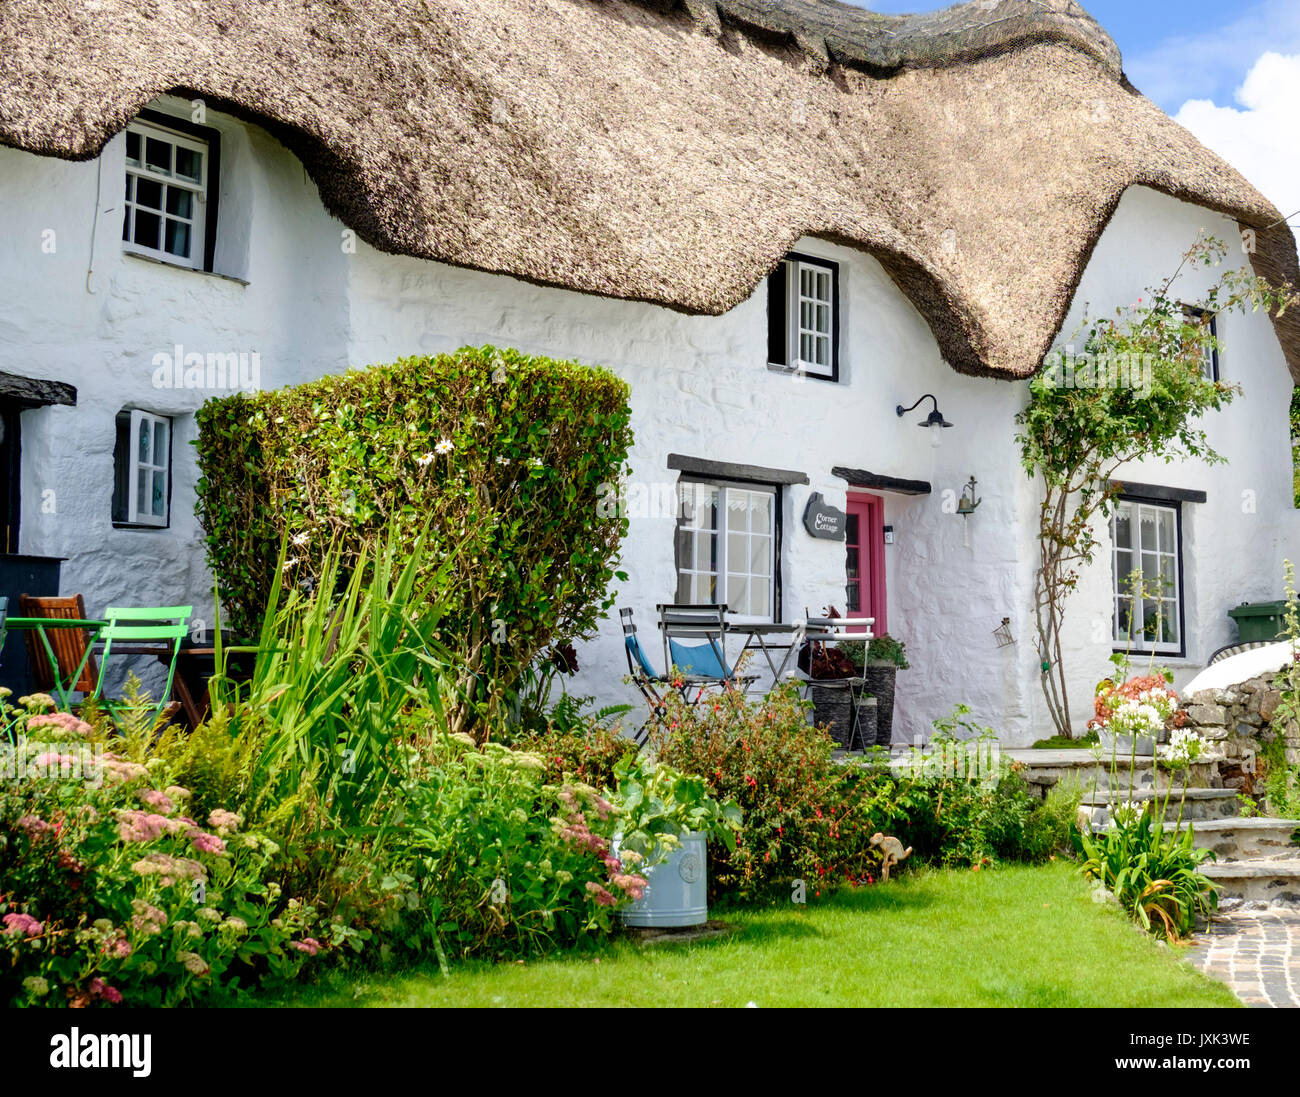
(1198, 804)
(1257, 839)
(1042, 769)
(1274, 882)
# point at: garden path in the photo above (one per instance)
(1256, 953)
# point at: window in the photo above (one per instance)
(803, 317)
(141, 469)
(1209, 350)
(727, 546)
(170, 211)
(1146, 537)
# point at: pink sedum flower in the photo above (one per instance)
(23, 924)
(153, 798)
(207, 843)
(309, 945)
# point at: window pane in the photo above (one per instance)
(685, 588)
(851, 563)
(1123, 526)
(189, 164)
(738, 593)
(1123, 569)
(159, 493)
(158, 155)
(146, 228)
(758, 604)
(706, 552)
(760, 549)
(126, 223)
(1150, 619)
(180, 201)
(851, 530)
(177, 241)
(1168, 577)
(130, 186)
(160, 444)
(132, 148)
(737, 552)
(142, 446)
(148, 192)
(1165, 524)
(143, 490)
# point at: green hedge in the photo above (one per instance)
(515, 499)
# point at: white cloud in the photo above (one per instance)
(1260, 137)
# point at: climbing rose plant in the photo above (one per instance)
(1137, 391)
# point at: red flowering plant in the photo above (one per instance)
(805, 817)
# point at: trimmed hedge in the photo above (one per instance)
(505, 457)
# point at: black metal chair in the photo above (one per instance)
(651, 684)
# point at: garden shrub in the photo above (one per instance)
(110, 891)
(502, 457)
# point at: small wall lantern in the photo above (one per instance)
(934, 421)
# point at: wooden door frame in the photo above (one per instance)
(870, 509)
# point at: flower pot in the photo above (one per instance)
(868, 714)
(1122, 745)
(879, 678)
(833, 707)
(676, 892)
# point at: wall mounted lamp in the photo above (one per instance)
(934, 421)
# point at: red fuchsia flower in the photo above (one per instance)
(207, 843)
(603, 898)
(153, 798)
(24, 924)
(309, 945)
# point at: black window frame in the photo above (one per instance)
(778, 316)
(1167, 502)
(212, 195)
(1193, 312)
(778, 529)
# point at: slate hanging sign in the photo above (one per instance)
(823, 520)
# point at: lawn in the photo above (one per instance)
(1013, 936)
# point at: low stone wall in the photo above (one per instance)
(1235, 720)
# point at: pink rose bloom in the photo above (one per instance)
(155, 799)
(22, 923)
(309, 945)
(207, 843)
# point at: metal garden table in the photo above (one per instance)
(39, 625)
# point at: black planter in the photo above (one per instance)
(868, 710)
(880, 681)
(833, 707)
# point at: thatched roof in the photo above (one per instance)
(669, 152)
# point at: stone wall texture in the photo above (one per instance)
(1237, 721)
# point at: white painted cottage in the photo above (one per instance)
(695, 195)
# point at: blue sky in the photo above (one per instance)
(1175, 50)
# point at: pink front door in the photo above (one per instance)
(864, 563)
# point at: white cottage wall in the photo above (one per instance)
(310, 304)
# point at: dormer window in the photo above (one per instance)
(170, 170)
(803, 307)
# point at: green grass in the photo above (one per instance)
(1014, 936)
(1064, 742)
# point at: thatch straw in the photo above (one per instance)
(647, 151)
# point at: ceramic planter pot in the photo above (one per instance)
(677, 891)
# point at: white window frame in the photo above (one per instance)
(723, 571)
(794, 316)
(1173, 599)
(199, 191)
(1210, 365)
(139, 512)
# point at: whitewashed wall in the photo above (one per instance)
(700, 387)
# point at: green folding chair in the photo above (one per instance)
(144, 624)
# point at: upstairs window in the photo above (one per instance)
(142, 469)
(1209, 349)
(170, 211)
(803, 316)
